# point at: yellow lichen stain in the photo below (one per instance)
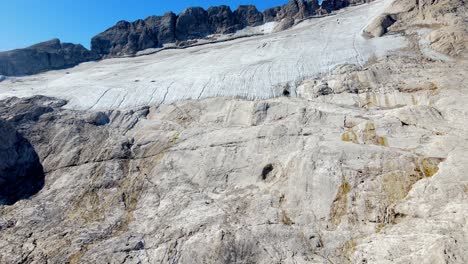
(88, 207)
(430, 166)
(174, 139)
(350, 136)
(75, 258)
(131, 187)
(379, 227)
(382, 141)
(340, 203)
(396, 186)
(375, 101)
(413, 100)
(285, 219)
(387, 101)
(348, 249)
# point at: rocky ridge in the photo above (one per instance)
(127, 38)
(49, 55)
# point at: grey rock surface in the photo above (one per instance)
(49, 55)
(337, 177)
(192, 23)
(21, 173)
(379, 26)
(295, 9)
(222, 20)
(248, 15)
(128, 38)
(269, 15)
(366, 165)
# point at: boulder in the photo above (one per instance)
(379, 26)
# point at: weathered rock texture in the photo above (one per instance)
(21, 172)
(370, 169)
(366, 165)
(49, 55)
(127, 37)
(446, 17)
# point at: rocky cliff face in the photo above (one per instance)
(21, 173)
(127, 37)
(49, 55)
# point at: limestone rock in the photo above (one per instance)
(128, 38)
(222, 19)
(331, 5)
(284, 24)
(192, 23)
(248, 15)
(21, 173)
(49, 55)
(379, 26)
(269, 15)
(367, 164)
(294, 9)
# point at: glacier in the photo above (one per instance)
(257, 67)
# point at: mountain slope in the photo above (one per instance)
(362, 162)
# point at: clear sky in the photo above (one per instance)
(26, 22)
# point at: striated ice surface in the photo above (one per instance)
(253, 68)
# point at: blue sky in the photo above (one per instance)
(26, 22)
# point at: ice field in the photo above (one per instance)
(253, 68)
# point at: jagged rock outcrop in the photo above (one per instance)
(269, 15)
(49, 55)
(192, 23)
(448, 16)
(295, 9)
(222, 20)
(128, 38)
(248, 15)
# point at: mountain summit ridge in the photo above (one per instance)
(128, 38)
